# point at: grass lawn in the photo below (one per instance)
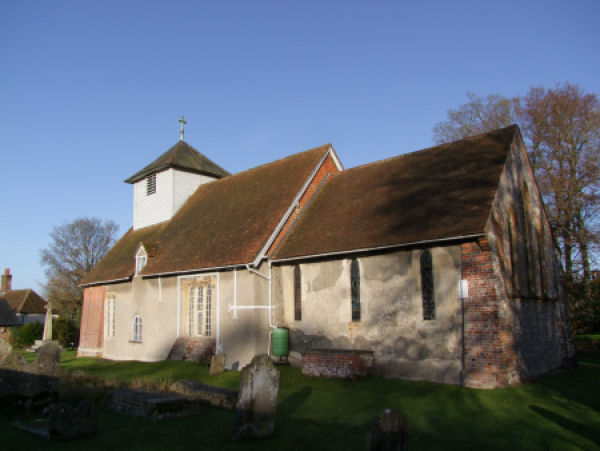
(560, 412)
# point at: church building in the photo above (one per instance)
(434, 265)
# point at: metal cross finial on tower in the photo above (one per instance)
(181, 132)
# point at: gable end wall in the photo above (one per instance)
(516, 325)
(328, 166)
(91, 337)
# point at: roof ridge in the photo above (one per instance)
(436, 147)
(260, 166)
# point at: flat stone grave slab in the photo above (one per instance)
(208, 394)
(153, 405)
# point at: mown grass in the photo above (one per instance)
(560, 411)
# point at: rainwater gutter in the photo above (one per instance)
(379, 248)
(105, 282)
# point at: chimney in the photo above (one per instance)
(6, 281)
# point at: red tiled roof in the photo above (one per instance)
(225, 222)
(119, 262)
(437, 193)
(25, 301)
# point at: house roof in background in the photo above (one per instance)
(25, 301)
(224, 223)
(8, 317)
(184, 157)
(437, 193)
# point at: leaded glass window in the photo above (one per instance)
(199, 310)
(208, 307)
(297, 293)
(191, 310)
(199, 300)
(427, 286)
(355, 289)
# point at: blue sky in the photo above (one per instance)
(90, 91)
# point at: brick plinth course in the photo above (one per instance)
(337, 363)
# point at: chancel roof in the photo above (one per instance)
(438, 193)
(184, 157)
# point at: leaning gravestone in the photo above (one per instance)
(389, 432)
(5, 350)
(257, 399)
(48, 359)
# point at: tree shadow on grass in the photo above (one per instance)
(570, 425)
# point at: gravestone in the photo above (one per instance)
(5, 350)
(389, 432)
(48, 359)
(217, 364)
(257, 399)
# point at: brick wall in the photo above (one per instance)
(327, 167)
(91, 336)
(337, 363)
(489, 352)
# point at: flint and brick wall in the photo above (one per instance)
(91, 338)
(337, 363)
(489, 352)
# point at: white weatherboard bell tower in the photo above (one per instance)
(162, 187)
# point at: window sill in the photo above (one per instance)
(135, 341)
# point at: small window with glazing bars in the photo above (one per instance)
(151, 184)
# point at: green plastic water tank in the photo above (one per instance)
(279, 339)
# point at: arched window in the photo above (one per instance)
(529, 246)
(297, 293)
(137, 329)
(514, 251)
(355, 289)
(427, 286)
(541, 266)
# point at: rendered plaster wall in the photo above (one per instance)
(246, 335)
(158, 313)
(391, 325)
(239, 338)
